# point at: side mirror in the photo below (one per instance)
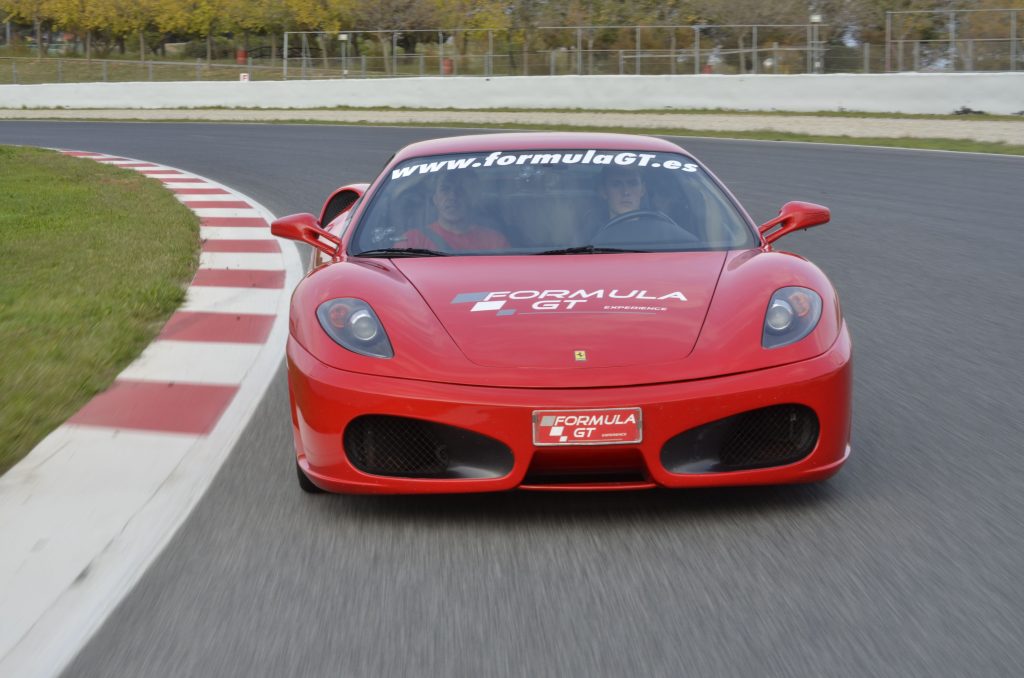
(794, 216)
(304, 228)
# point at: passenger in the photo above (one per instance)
(456, 228)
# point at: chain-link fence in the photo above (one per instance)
(28, 71)
(932, 41)
(561, 50)
(955, 40)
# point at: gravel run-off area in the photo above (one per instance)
(1007, 131)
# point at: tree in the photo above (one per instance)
(386, 17)
(30, 11)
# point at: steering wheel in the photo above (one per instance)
(650, 215)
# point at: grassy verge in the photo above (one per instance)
(93, 261)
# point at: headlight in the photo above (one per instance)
(354, 325)
(792, 314)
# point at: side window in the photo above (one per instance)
(338, 203)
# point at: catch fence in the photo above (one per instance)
(972, 40)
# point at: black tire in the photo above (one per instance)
(304, 482)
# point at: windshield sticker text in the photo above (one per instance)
(591, 157)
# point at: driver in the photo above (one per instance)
(455, 228)
(623, 189)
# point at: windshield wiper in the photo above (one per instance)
(398, 252)
(589, 249)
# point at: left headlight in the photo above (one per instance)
(792, 314)
(353, 325)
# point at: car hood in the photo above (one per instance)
(593, 311)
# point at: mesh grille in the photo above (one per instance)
(770, 436)
(395, 446)
(401, 447)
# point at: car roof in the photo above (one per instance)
(522, 141)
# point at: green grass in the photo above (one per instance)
(93, 260)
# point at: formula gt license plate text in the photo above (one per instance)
(602, 426)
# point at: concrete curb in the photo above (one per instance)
(83, 515)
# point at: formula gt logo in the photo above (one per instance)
(611, 426)
(509, 302)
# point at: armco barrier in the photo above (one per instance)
(996, 93)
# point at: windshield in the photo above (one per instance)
(548, 202)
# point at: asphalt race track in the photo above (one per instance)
(908, 563)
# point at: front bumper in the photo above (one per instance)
(324, 400)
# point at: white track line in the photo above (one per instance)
(234, 233)
(245, 261)
(86, 512)
(226, 212)
(231, 300)
(193, 362)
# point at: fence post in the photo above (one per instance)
(899, 56)
(248, 66)
(952, 39)
(14, 72)
(637, 69)
(104, 71)
(622, 62)
(199, 73)
(696, 50)
(579, 51)
(754, 47)
(551, 55)
(440, 53)
(151, 71)
(807, 51)
(423, 64)
(775, 58)
(1013, 40)
(362, 64)
(888, 42)
(490, 53)
(917, 55)
(672, 53)
(60, 70)
(867, 57)
(284, 58)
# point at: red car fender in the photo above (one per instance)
(733, 330)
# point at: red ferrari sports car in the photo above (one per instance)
(559, 312)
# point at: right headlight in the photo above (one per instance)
(792, 314)
(353, 324)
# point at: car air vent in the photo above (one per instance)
(770, 436)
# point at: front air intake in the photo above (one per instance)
(386, 445)
(770, 436)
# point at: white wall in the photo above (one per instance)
(997, 93)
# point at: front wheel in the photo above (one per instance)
(304, 482)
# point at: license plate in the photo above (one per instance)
(603, 426)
